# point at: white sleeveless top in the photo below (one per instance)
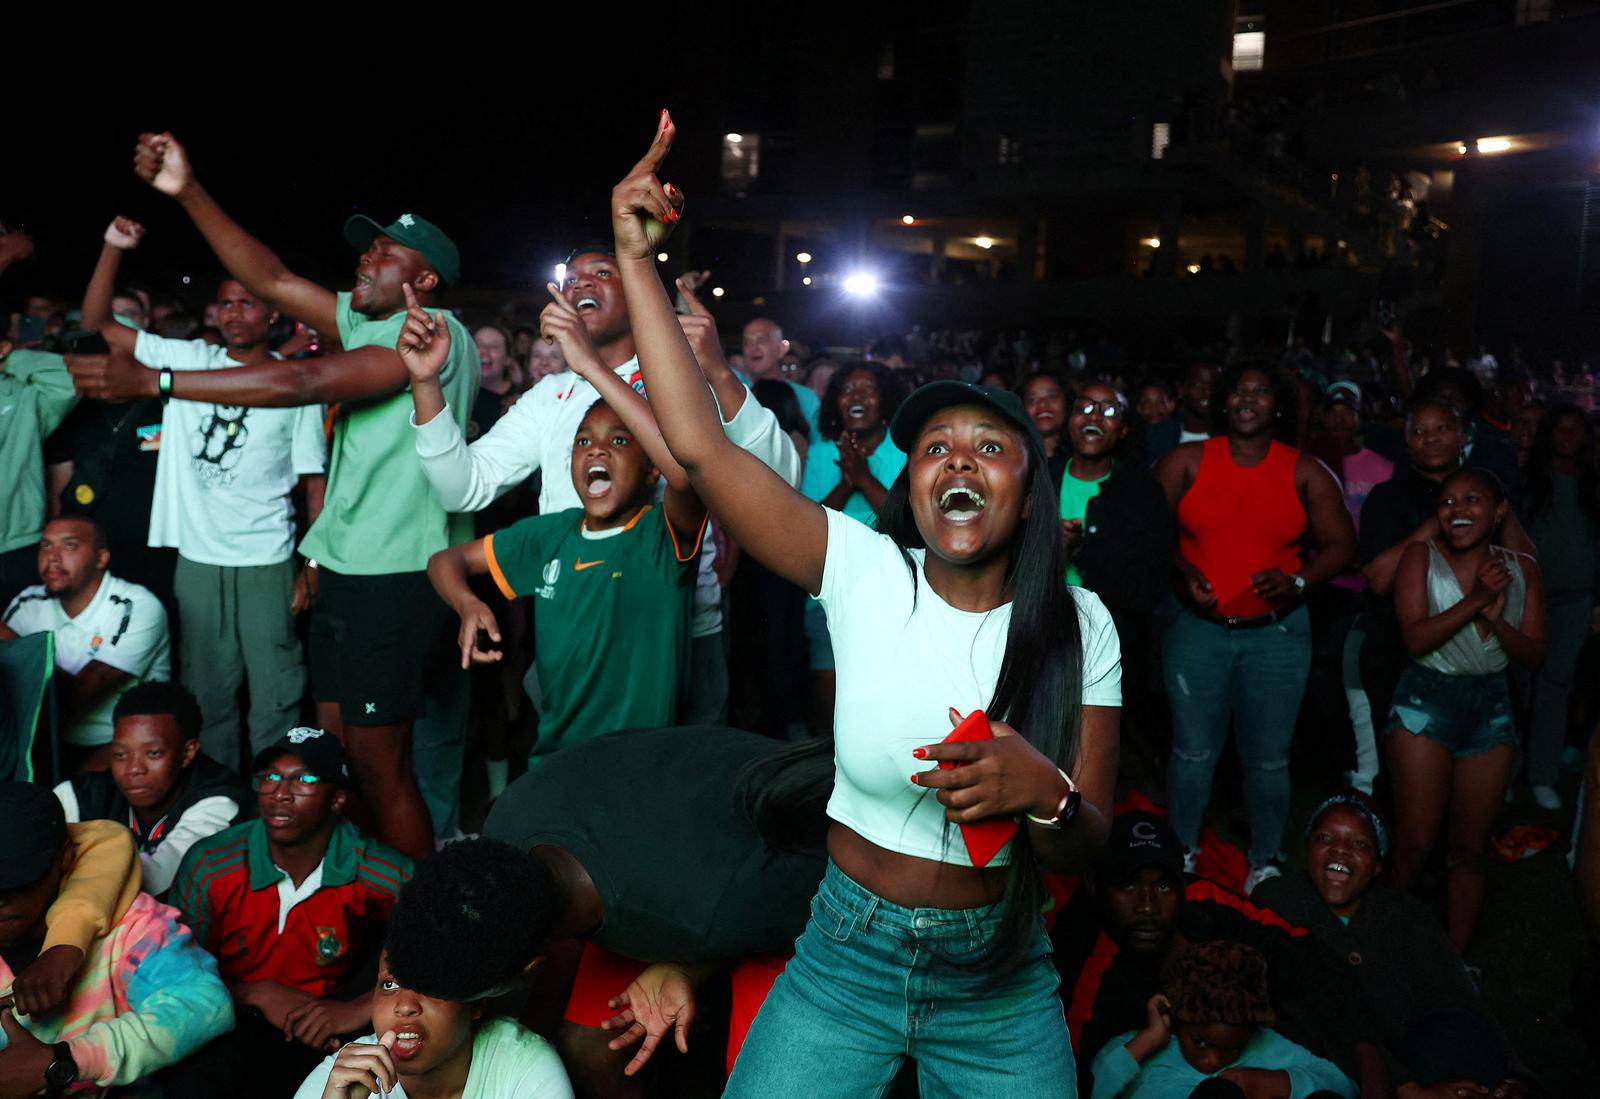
(1466, 653)
(901, 663)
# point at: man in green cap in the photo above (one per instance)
(376, 621)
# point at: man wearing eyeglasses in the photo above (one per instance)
(291, 904)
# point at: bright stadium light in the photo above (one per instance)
(806, 281)
(907, 219)
(1494, 144)
(717, 291)
(733, 139)
(802, 257)
(985, 243)
(661, 257)
(861, 284)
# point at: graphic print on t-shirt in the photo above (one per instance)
(221, 437)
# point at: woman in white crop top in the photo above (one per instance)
(1467, 607)
(956, 603)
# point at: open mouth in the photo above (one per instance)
(1092, 431)
(363, 279)
(1459, 524)
(961, 504)
(408, 1043)
(856, 411)
(597, 480)
(275, 820)
(587, 303)
(1338, 870)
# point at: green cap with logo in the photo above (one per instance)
(414, 232)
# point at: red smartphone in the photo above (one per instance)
(983, 838)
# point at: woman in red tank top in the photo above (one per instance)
(1240, 649)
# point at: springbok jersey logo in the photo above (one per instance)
(552, 573)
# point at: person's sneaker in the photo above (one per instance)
(1259, 874)
(1191, 861)
(1546, 798)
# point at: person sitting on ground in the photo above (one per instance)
(145, 997)
(472, 921)
(109, 634)
(292, 904)
(1468, 607)
(1429, 1015)
(1119, 934)
(611, 647)
(160, 785)
(1214, 1022)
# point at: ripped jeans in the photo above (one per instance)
(1256, 678)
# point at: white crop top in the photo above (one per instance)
(900, 666)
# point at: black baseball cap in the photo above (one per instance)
(915, 410)
(35, 828)
(594, 247)
(318, 749)
(1139, 840)
(414, 232)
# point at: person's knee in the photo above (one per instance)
(1193, 756)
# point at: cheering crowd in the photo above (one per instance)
(900, 697)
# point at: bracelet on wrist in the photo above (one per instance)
(1066, 809)
(164, 383)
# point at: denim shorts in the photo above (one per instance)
(1468, 714)
(873, 983)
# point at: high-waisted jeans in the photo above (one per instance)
(873, 983)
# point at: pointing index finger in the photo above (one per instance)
(560, 299)
(411, 297)
(692, 300)
(659, 148)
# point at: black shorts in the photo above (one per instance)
(373, 641)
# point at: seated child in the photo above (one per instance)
(159, 785)
(1214, 1022)
(467, 927)
(614, 580)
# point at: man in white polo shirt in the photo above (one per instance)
(109, 634)
(536, 433)
(222, 500)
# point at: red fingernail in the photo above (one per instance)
(920, 753)
(914, 780)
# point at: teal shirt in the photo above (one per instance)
(1166, 1075)
(35, 396)
(1075, 497)
(822, 475)
(380, 515)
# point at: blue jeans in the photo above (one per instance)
(1256, 678)
(873, 983)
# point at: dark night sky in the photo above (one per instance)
(515, 162)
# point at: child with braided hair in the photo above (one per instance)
(1210, 1034)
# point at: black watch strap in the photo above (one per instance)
(62, 1072)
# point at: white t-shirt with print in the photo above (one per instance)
(225, 472)
(903, 658)
(124, 626)
(508, 1060)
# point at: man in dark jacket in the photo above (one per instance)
(1137, 910)
(159, 785)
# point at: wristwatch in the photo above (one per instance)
(1299, 583)
(1066, 810)
(61, 1073)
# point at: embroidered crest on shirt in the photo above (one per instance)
(552, 573)
(328, 946)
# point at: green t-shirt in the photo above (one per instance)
(35, 396)
(1075, 497)
(611, 619)
(380, 515)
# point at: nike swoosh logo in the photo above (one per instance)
(579, 566)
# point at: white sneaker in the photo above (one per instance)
(1191, 861)
(1259, 874)
(1546, 798)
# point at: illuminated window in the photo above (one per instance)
(1249, 51)
(1160, 138)
(741, 160)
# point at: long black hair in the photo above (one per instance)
(1540, 471)
(1039, 692)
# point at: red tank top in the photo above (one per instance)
(1237, 520)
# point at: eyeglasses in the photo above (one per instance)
(302, 785)
(1109, 409)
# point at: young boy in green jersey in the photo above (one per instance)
(613, 581)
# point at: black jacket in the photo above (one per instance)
(1128, 538)
(100, 799)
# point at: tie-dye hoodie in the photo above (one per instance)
(146, 997)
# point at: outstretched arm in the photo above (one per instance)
(771, 521)
(281, 383)
(450, 570)
(122, 235)
(160, 161)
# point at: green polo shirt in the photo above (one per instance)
(380, 515)
(35, 396)
(1075, 497)
(233, 896)
(611, 618)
